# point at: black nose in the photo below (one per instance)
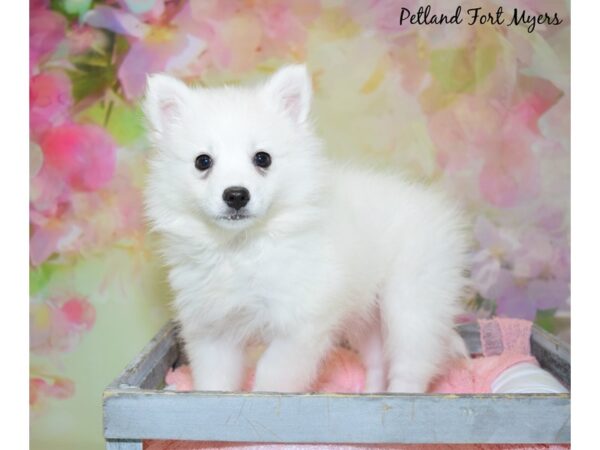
(236, 197)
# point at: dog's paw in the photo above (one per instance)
(273, 385)
(375, 380)
(399, 385)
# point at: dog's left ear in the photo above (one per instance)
(291, 91)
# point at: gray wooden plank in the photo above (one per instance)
(553, 354)
(305, 418)
(124, 445)
(148, 369)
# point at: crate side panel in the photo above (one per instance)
(148, 369)
(552, 354)
(340, 419)
(124, 445)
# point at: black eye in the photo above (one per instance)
(262, 159)
(203, 162)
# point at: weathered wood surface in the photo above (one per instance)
(148, 369)
(553, 354)
(124, 445)
(304, 418)
(135, 408)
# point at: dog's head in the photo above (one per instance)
(231, 156)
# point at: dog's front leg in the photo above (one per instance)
(290, 364)
(217, 363)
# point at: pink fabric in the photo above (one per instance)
(502, 335)
(504, 343)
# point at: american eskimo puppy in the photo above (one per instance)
(267, 240)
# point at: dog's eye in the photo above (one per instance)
(203, 162)
(262, 159)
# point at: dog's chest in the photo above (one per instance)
(256, 289)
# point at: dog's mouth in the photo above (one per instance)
(235, 217)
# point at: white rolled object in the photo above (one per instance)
(527, 378)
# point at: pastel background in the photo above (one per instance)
(484, 110)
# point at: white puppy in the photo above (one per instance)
(269, 241)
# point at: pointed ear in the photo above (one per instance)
(165, 97)
(290, 90)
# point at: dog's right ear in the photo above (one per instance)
(290, 90)
(164, 101)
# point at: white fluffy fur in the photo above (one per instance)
(328, 250)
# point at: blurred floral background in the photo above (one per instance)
(484, 110)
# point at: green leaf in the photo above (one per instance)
(94, 72)
(125, 123)
(71, 9)
(40, 276)
(480, 303)
(458, 70)
(546, 320)
(89, 80)
(452, 69)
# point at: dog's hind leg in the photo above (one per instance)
(418, 305)
(369, 345)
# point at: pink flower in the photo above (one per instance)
(82, 39)
(58, 324)
(521, 271)
(49, 194)
(161, 49)
(494, 132)
(83, 155)
(46, 31)
(382, 15)
(75, 158)
(45, 240)
(240, 35)
(458, 133)
(232, 36)
(78, 313)
(284, 25)
(49, 101)
(495, 247)
(480, 135)
(517, 297)
(510, 175)
(38, 4)
(41, 388)
(155, 47)
(229, 35)
(66, 222)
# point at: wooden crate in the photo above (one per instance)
(136, 408)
